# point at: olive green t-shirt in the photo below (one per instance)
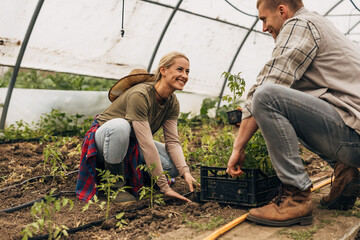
(138, 103)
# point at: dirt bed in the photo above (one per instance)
(24, 160)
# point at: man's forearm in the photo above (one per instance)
(247, 129)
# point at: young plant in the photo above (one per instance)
(237, 88)
(121, 222)
(257, 156)
(43, 214)
(106, 185)
(150, 192)
(53, 123)
(53, 156)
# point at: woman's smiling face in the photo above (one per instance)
(177, 75)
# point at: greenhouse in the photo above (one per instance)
(58, 62)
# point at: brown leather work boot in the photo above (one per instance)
(345, 188)
(291, 206)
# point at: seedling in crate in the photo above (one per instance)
(257, 156)
(150, 192)
(43, 212)
(237, 88)
(106, 185)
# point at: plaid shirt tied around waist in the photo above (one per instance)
(86, 181)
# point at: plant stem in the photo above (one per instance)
(151, 193)
(234, 100)
(108, 203)
(50, 228)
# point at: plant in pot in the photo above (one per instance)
(236, 84)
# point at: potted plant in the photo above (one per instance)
(237, 88)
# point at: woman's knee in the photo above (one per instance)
(119, 127)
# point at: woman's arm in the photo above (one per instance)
(173, 146)
(174, 149)
(144, 136)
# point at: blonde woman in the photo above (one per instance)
(135, 114)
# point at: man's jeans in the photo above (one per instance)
(112, 142)
(285, 115)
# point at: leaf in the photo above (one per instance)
(120, 215)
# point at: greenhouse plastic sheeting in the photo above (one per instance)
(84, 36)
(29, 104)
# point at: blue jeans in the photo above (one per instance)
(285, 115)
(112, 142)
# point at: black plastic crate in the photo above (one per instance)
(253, 188)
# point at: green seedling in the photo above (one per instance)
(237, 87)
(53, 157)
(106, 185)
(257, 156)
(121, 222)
(43, 213)
(150, 192)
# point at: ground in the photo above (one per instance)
(175, 220)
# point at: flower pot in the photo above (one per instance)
(234, 116)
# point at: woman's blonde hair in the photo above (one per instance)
(166, 61)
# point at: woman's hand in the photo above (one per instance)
(190, 180)
(172, 193)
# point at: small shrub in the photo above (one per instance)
(36, 79)
(53, 123)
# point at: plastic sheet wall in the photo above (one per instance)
(84, 36)
(29, 104)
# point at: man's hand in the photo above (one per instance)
(190, 181)
(247, 129)
(172, 193)
(235, 163)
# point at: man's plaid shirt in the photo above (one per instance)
(295, 48)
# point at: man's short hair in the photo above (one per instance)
(273, 4)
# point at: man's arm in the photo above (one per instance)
(247, 129)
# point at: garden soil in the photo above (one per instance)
(174, 220)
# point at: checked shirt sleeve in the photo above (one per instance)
(295, 49)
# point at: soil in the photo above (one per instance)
(174, 220)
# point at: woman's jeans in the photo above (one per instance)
(112, 142)
(285, 115)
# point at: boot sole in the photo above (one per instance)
(303, 221)
(347, 198)
(124, 203)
